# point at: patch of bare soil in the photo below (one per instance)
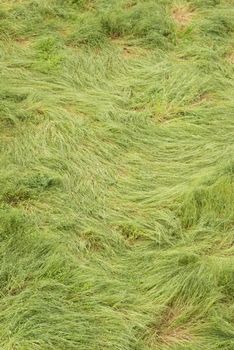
(182, 15)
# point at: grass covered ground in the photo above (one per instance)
(116, 196)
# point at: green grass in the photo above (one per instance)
(117, 192)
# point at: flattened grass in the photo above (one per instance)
(116, 196)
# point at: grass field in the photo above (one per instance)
(117, 163)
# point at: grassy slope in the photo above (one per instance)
(116, 136)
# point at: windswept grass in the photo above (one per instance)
(116, 196)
